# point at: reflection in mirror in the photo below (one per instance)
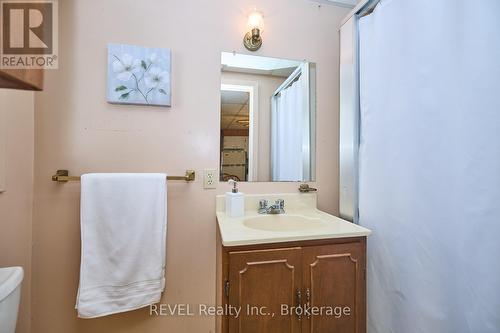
(267, 119)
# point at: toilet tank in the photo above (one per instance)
(10, 294)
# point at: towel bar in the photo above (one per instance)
(62, 176)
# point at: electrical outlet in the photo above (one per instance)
(210, 178)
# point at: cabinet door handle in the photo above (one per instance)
(308, 303)
(299, 304)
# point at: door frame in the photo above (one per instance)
(349, 137)
(252, 88)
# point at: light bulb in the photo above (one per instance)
(256, 21)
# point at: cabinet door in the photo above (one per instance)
(264, 280)
(334, 282)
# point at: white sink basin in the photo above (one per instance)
(283, 223)
(302, 221)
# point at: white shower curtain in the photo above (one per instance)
(429, 184)
(288, 131)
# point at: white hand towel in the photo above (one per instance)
(123, 231)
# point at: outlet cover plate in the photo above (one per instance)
(210, 178)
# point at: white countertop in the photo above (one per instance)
(235, 232)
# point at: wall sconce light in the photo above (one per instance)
(253, 38)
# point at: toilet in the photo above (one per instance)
(10, 294)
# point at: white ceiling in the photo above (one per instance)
(255, 62)
(233, 97)
(234, 109)
(342, 3)
(244, 63)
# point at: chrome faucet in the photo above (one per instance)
(277, 208)
(262, 206)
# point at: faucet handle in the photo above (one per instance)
(262, 206)
(280, 203)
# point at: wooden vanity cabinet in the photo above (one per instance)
(259, 278)
(325, 275)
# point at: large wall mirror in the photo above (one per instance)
(267, 119)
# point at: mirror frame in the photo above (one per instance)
(312, 110)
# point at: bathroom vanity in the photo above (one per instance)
(301, 271)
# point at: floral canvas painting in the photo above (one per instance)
(138, 75)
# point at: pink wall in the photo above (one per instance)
(76, 129)
(17, 201)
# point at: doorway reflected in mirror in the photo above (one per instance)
(235, 120)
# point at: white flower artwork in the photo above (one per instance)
(138, 75)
